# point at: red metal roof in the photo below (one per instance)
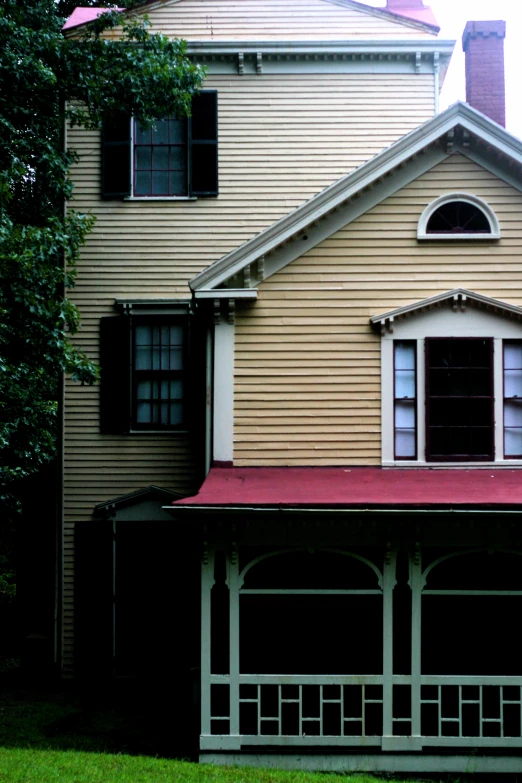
(358, 487)
(83, 15)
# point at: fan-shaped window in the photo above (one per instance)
(458, 216)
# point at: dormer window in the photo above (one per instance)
(458, 216)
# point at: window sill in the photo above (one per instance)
(158, 432)
(457, 237)
(160, 198)
(503, 464)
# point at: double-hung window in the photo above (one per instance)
(152, 372)
(176, 158)
(455, 399)
(159, 362)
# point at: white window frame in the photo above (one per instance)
(443, 322)
(467, 198)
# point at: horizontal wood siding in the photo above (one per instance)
(307, 362)
(281, 140)
(275, 19)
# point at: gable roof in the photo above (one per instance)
(407, 18)
(460, 128)
(458, 298)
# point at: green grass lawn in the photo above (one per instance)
(69, 736)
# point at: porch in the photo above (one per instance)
(361, 644)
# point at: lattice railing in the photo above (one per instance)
(486, 710)
(305, 709)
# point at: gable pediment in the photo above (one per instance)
(459, 129)
(457, 300)
(142, 505)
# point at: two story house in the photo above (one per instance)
(299, 478)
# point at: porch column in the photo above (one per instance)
(233, 590)
(388, 584)
(207, 582)
(415, 583)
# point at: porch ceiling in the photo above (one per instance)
(353, 487)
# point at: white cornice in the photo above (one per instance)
(366, 46)
(475, 124)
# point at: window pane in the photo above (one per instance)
(160, 157)
(512, 356)
(143, 183)
(177, 131)
(513, 414)
(141, 136)
(176, 335)
(178, 183)
(143, 413)
(405, 384)
(405, 443)
(480, 441)
(165, 356)
(143, 158)
(513, 383)
(160, 183)
(156, 358)
(143, 335)
(176, 389)
(160, 132)
(143, 357)
(176, 413)
(405, 414)
(164, 390)
(176, 359)
(404, 356)
(178, 158)
(513, 443)
(144, 391)
(165, 413)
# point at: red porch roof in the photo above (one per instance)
(358, 488)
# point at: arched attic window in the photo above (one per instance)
(458, 216)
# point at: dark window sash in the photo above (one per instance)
(433, 455)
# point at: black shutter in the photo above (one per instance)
(94, 599)
(203, 144)
(196, 391)
(116, 157)
(115, 382)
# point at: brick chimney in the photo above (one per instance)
(395, 5)
(483, 43)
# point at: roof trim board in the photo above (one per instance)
(450, 131)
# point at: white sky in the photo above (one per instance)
(452, 16)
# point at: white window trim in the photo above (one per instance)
(469, 199)
(443, 323)
(132, 197)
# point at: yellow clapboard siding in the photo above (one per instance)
(331, 280)
(274, 20)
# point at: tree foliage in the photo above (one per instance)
(45, 80)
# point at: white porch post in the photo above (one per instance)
(207, 582)
(223, 425)
(233, 591)
(388, 584)
(415, 583)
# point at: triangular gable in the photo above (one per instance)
(457, 299)
(459, 129)
(269, 20)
